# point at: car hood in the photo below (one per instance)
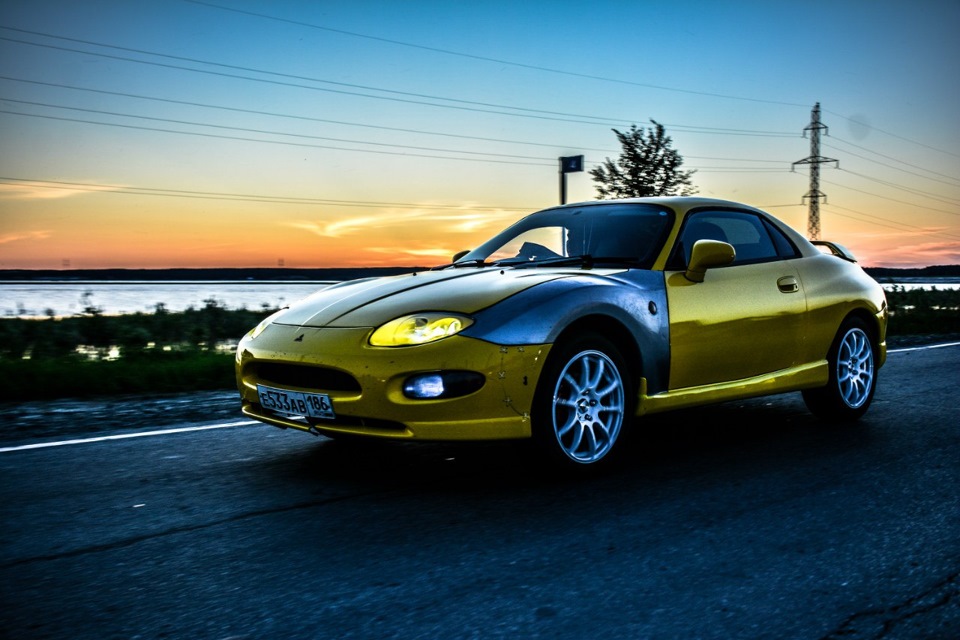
(371, 302)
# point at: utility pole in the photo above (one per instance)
(815, 160)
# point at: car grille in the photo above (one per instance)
(305, 377)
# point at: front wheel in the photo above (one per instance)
(853, 376)
(583, 399)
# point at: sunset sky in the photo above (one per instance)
(256, 133)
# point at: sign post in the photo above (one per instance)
(568, 164)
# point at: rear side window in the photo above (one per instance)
(785, 248)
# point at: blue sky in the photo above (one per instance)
(254, 133)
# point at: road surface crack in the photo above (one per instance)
(879, 623)
(133, 540)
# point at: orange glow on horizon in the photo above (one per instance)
(94, 231)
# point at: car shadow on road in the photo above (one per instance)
(686, 470)
(738, 437)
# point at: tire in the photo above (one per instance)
(853, 375)
(584, 397)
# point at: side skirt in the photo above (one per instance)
(808, 376)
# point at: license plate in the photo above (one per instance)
(296, 403)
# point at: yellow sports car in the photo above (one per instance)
(570, 323)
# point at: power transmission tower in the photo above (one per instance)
(815, 160)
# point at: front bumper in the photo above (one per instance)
(373, 403)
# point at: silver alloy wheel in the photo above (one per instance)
(855, 368)
(588, 406)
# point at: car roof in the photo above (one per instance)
(681, 204)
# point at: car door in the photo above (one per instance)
(745, 319)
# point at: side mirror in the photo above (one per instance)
(459, 254)
(707, 254)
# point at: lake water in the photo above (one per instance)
(67, 298)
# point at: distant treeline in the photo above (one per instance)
(938, 271)
(335, 274)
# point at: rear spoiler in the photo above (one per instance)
(835, 249)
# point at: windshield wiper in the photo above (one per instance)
(561, 261)
(586, 260)
(464, 263)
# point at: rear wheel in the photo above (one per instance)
(584, 397)
(853, 375)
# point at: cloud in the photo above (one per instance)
(419, 253)
(439, 222)
(348, 226)
(27, 235)
(934, 252)
(919, 254)
(473, 222)
(47, 190)
(920, 232)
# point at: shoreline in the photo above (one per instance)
(328, 274)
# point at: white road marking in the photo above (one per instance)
(929, 346)
(124, 436)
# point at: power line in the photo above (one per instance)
(280, 142)
(495, 60)
(899, 187)
(952, 180)
(898, 137)
(525, 112)
(214, 195)
(290, 76)
(888, 199)
(301, 86)
(274, 114)
(343, 122)
(890, 224)
(490, 155)
(267, 132)
(687, 128)
(243, 197)
(501, 61)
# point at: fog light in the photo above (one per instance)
(442, 384)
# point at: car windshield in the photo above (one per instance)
(595, 233)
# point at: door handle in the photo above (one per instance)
(788, 284)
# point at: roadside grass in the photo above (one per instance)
(78, 376)
(92, 354)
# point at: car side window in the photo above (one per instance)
(746, 232)
(785, 248)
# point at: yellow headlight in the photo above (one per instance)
(419, 328)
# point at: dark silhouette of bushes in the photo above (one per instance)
(96, 354)
(164, 351)
(922, 311)
(138, 333)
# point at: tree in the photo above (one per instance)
(648, 166)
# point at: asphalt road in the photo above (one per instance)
(775, 527)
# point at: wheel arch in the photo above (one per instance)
(852, 369)
(872, 323)
(616, 332)
(581, 407)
